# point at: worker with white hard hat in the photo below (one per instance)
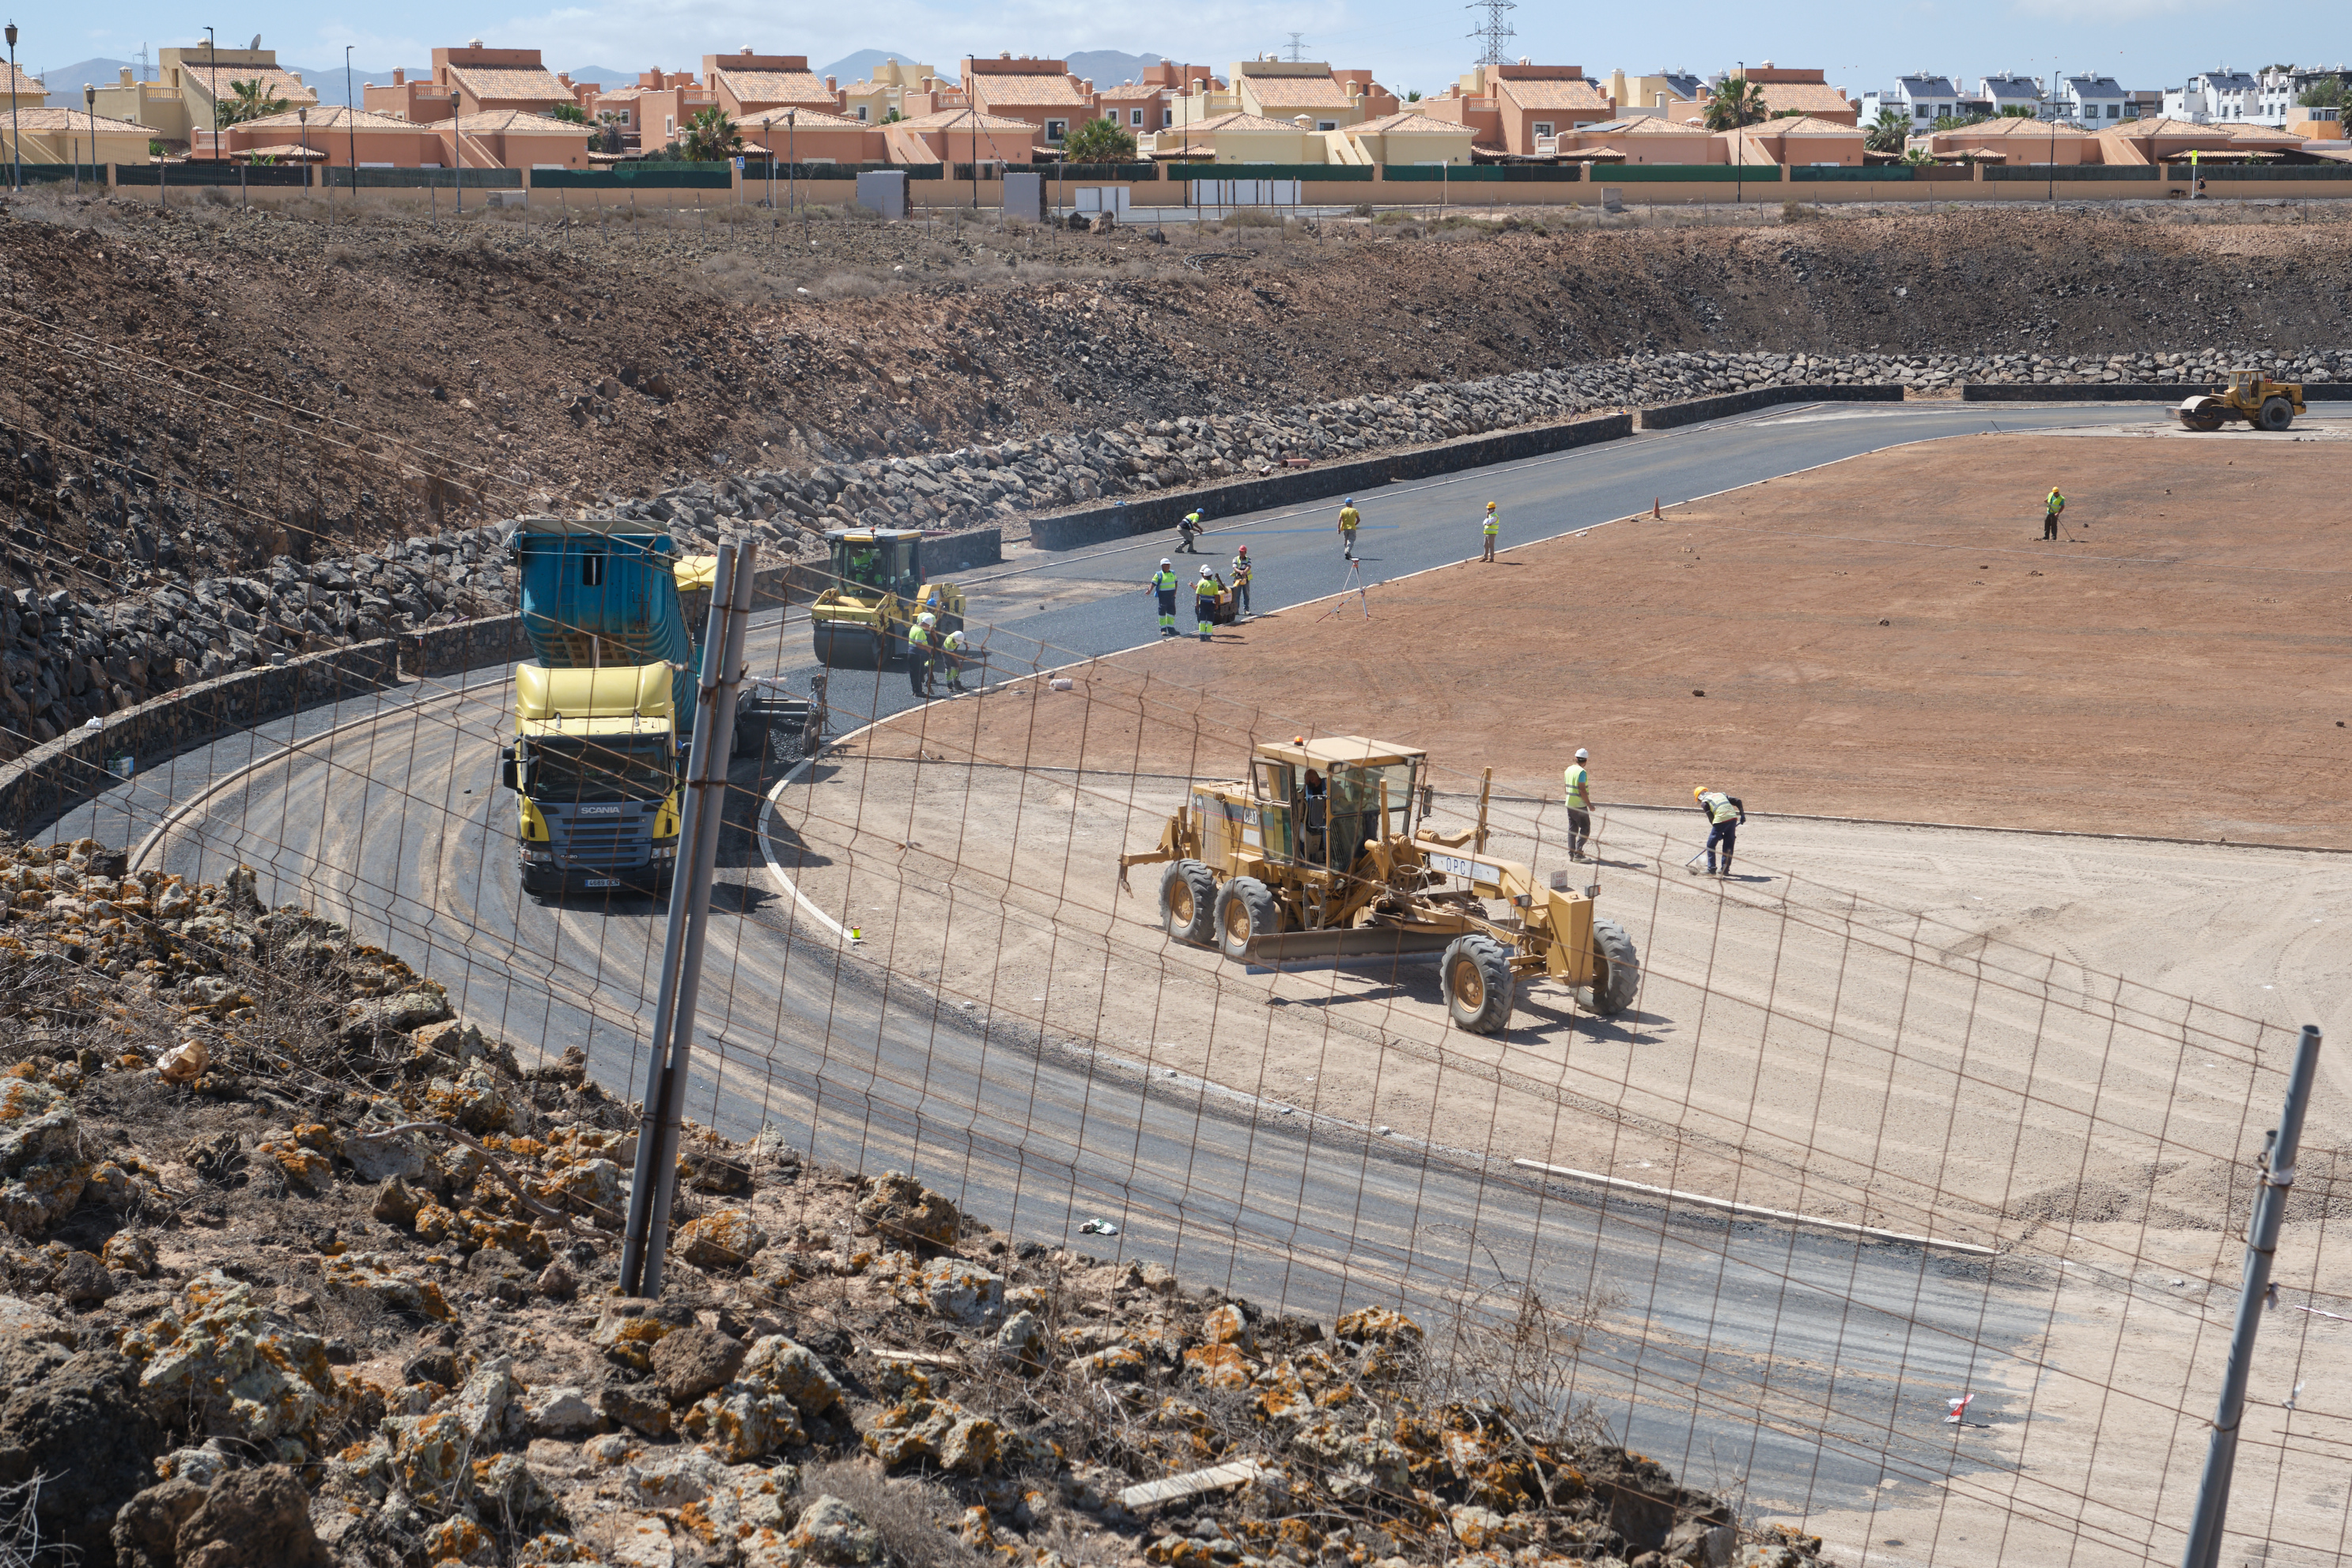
(1164, 584)
(918, 654)
(1577, 789)
(1350, 519)
(951, 657)
(1206, 591)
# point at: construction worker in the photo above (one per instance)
(1241, 581)
(1206, 591)
(1350, 519)
(1164, 584)
(1725, 817)
(1187, 532)
(1577, 790)
(952, 654)
(918, 654)
(2051, 504)
(1492, 528)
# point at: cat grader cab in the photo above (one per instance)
(876, 590)
(1326, 851)
(2251, 397)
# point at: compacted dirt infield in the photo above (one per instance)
(1888, 637)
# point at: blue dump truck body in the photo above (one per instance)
(603, 592)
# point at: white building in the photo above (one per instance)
(2001, 94)
(2276, 90)
(1921, 100)
(2211, 97)
(2091, 101)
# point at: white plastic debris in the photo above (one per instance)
(1099, 1228)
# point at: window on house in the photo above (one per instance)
(861, 112)
(1541, 128)
(1327, 125)
(1135, 117)
(669, 122)
(2115, 111)
(1167, 118)
(1056, 129)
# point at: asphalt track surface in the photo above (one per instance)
(1813, 1367)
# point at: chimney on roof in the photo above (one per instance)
(1005, 54)
(399, 76)
(747, 48)
(473, 43)
(829, 84)
(1304, 122)
(1088, 87)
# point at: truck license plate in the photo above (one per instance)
(602, 882)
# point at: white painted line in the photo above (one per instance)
(1759, 1211)
(173, 817)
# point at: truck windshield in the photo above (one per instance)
(866, 565)
(567, 769)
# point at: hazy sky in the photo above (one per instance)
(2144, 43)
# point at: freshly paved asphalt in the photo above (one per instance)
(1813, 1369)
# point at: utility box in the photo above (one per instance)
(884, 191)
(1024, 197)
(1612, 199)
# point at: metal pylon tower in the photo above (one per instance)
(1297, 47)
(1493, 33)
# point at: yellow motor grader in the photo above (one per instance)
(1317, 855)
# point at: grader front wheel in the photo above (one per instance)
(1188, 897)
(1476, 973)
(1245, 908)
(1616, 972)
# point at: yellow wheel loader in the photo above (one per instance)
(2251, 396)
(877, 589)
(1324, 852)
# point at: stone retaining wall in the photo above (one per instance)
(49, 780)
(2111, 391)
(1147, 514)
(1706, 408)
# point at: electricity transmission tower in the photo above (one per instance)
(1494, 33)
(1297, 47)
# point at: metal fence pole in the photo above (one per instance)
(646, 1238)
(2278, 1157)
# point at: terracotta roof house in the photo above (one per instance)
(1411, 139)
(745, 83)
(178, 105)
(1800, 141)
(1042, 92)
(498, 79)
(961, 136)
(1793, 91)
(873, 99)
(1646, 138)
(335, 134)
(651, 110)
(1285, 90)
(812, 136)
(2162, 141)
(1235, 137)
(62, 135)
(24, 88)
(1517, 109)
(513, 139)
(2013, 138)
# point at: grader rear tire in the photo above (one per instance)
(1188, 898)
(1476, 974)
(1245, 908)
(1616, 972)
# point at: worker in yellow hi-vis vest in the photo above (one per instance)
(1577, 790)
(1492, 528)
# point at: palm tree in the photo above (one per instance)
(250, 101)
(1099, 142)
(1888, 132)
(1736, 102)
(710, 137)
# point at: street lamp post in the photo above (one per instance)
(89, 103)
(303, 115)
(1739, 142)
(16, 137)
(212, 59)
(350, 126)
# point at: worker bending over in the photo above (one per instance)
(1241, 581)
(1187, 532)
(1491, 528)
(1206, 591)
(918, 654)
(1725, 814)
(1164, 584)
(2051, 504)
(951, 648)
(1577, 790)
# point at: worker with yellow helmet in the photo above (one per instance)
(1491, 527)
(1725, 814)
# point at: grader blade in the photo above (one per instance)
(1367, 942)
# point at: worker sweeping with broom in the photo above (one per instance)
(1725, 815)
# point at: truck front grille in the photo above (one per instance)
(602, 841)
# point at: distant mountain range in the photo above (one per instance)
(64, 83)
(859, 66)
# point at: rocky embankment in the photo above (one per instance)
(69, 657)
(296, 1268)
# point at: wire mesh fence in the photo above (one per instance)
(923, 960)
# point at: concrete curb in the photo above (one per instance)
(1757, 1211)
